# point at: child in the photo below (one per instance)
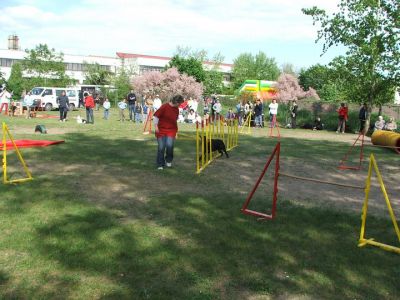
(138, 112)
(145, 111)
(122, 106)
(106, 106)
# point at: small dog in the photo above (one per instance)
(216, 145)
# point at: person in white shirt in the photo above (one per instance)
(191, 117)
(273, 111)
(5, 101)
(106, 106)
(217, 108)
(156, 103)
(28, 99)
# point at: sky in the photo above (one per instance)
(157, 27)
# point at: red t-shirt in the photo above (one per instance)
(89, 102)
(167, 116)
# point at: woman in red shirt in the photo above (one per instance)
(166, 127)
(343, 116)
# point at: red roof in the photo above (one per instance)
(133, 55)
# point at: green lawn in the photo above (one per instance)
(100, 222)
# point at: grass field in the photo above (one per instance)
(100, 222)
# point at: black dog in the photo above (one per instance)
(216, 145)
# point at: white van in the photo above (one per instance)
(46, 97)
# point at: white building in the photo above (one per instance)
(74, 64)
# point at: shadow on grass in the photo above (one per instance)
(182, 245)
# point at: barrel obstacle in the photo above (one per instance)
(387, 139)
(372, 165)
(6, 133)
(216, 128)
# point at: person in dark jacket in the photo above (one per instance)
(293, 114)
(258, 111)
(131, 98)
(362, 116)
(63, 104)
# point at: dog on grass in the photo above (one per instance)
(216, 145)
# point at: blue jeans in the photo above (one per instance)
(132, 111)
(89, 115)
(258, 120)
(138, 117)
(165, 151)
(106, 113)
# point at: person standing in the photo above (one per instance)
(156, 103)
(63, 104)
(217, 108)
(106, 106)
(342, 115)
(273, 112)
(166, 127)
(138, 112)
(89, 105)
(122, 106)
(362, 116)
(258, 110)
(293, 114)
(5, 97)
(131, 98)
(28, 100)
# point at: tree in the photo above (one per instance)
(213, 82)
(191, 66)
(289, 89)
(45, 67)
(260, 67)
(369, 29)
(96, 74)
(167, 84)
(121, 83)
(16, 82)
(288, 68)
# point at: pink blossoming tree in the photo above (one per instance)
(289, 89)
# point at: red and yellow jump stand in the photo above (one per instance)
(208, 129)
(342, 165)
(363, 240)
(274, 124)
(147, 124)
(5, 177)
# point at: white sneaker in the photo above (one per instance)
(160, 168)
(169, 165)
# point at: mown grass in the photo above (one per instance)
(100, 222)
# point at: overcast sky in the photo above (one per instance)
(157, 27)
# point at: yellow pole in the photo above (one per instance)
(365, 206)
(197, 148)
(393, 217)
(19, 155)
(203, 135)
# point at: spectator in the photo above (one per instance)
(106, 106)
(230, 115)
(240, 112)
(145, 111)
(258, 110)
(122, 105)
(131, 98)
(216, 108)
(63, 104)
(391, 125)
(138, 112)
(5, 97)
(273, 112)
(318, 124)
(156, 103)
(191, 117)
(89, 105)
(362, 116)
(293, 114)
(166, 127)
(380, 124)
(97, 102)
(342, 115)
(28, 100)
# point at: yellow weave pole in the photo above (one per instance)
(247, 124)
(363, 241)
(197, 148)
(5, 178)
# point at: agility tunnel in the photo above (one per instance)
(388, 139)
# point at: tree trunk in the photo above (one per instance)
(380, 110)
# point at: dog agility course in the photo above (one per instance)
(98, 221)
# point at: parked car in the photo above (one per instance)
(46, 97)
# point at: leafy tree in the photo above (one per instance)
(191, 66)
(2, 79)
(16, 82)
(213, 83)
(260, 67)
(96, 74)
(369, 29)
(288, 68)
(45, 67)
(121, 83)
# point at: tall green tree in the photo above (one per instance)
(121, 85)
(96, 74)
(213, 82)
(45, 67)
(247, 66)
(16, 82)
(369, 29)
(190, 66)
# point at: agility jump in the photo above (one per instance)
(372, 165)
(212, 131)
